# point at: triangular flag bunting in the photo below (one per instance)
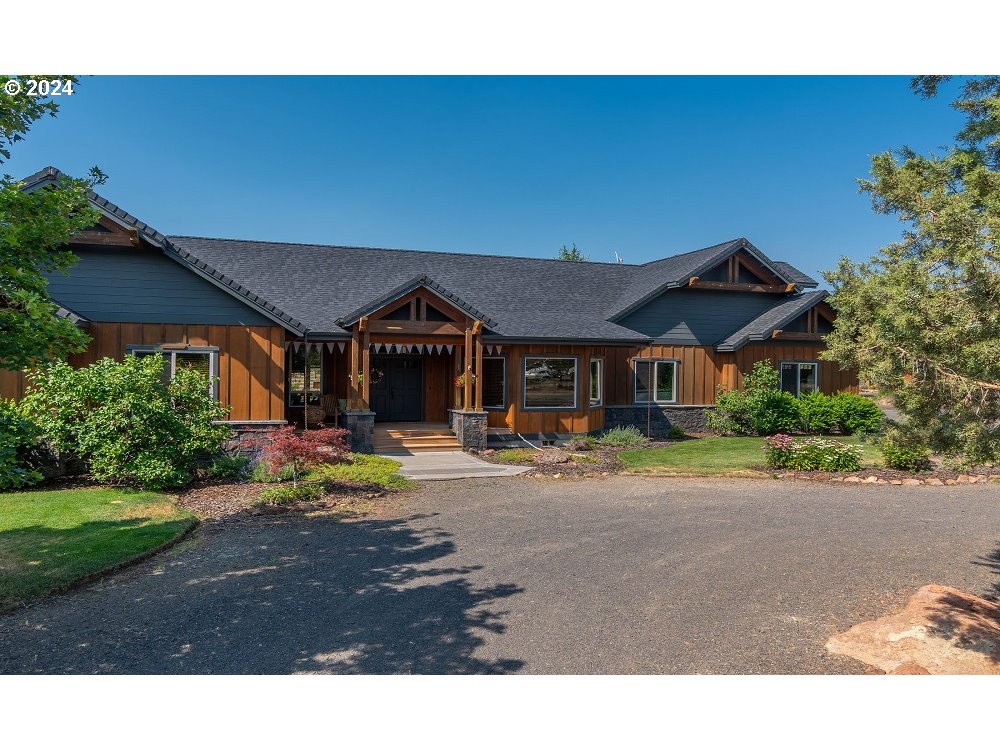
(341, 345)
(498, 349)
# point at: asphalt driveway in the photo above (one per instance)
(514, 575)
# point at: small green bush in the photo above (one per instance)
(516, 456)
(302, 492)
(811, 454)
(262, 474)
(675, 432)
(366, 469)
(125, 421)
(762, 408)
(18, 438)
(581, 443)
(905, 457)
(856, 414)
(627, 436)
(818, 412)
(585, 459)
(228, 467)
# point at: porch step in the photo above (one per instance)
(399, 439)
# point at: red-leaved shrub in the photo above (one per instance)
(289, 448)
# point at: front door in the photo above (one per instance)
(398, 396)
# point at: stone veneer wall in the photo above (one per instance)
(661, 417)
(362, 427)
(244, 434)
(469, 427)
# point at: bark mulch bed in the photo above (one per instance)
(557, 463)
(221, 499)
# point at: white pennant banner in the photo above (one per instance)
(341, 345)
(498, 349)
(449, 347)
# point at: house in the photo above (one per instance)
(492, 346)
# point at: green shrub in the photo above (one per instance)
(675, 432)
(762, 408)
(367, 469)
(228, 467)
(856, 414)
(627, 436)
(905, 457)
(585, 459)
(811, 454)
(125, 421)
(18, 438)
(581, 443)
(516, 456)
(261, 473)
(818, 413)
(284, 494)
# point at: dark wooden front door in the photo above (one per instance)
(398, 396)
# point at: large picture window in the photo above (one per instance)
(204, 360)
(596, 382)
(655, 381)
(305, 376)
(494, 383)
(799, 378)
(550, 382)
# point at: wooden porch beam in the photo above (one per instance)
(366, 369)
(479, 372)
(353, 375)
(734, 287)
(467, 371)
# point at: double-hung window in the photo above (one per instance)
(596, 382)
(305, 376)
(655, 381)
(202, 359)
(799, 378)
(550, 382)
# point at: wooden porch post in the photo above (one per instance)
(456, 367)
(477, 329)
(366, 368)
(353, 374)
(467, 372)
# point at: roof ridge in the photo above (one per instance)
(699, 250)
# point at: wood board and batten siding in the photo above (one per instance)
(251, 361)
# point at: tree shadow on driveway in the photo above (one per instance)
(273, 596)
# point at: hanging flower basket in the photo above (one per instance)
(460, 380)
(376, 376)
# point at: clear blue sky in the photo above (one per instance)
(646, 166)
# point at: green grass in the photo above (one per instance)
(365, 468)
(516, 456)
(49, 540)
(715, 456)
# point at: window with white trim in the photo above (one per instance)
(550, 382)
(655, 381)
(203, 359)
(799, 378)
(494, 382)
(305, 376)
(596, 382)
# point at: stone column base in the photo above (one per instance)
(470, 429)
(362, 427)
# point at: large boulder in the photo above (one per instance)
(941, 631)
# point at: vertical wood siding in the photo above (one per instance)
(251, 361)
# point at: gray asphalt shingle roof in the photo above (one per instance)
(765, 324)
(321, 289)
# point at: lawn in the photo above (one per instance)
(714, 456)
(49, 540)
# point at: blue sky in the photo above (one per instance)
(647, 166)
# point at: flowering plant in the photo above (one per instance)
(811, 454)
(460, 380)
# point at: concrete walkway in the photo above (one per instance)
(449, 465)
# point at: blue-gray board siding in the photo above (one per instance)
(129, 285)
(698, 317)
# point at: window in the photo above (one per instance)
(203, 359)
(655, 380)
(494, 383)
(550, 382)
(305, 376)
(596, 382)
(799, 377)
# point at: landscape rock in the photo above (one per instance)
(909, 482)
(550, 457)
(942, 630)
(934, 481)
